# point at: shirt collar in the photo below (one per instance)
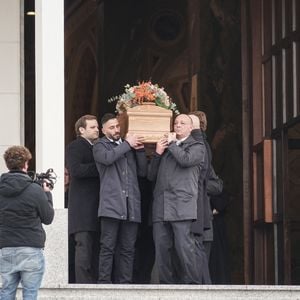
(119, 141)
(88, 141)
(178, 142)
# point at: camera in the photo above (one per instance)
(49, 177)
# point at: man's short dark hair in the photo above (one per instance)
(107, 117)
(81, 122)
(16, 156)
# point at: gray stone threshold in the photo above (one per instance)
(168, 292)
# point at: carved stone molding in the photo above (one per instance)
(78, 17)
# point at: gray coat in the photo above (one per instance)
(118, 167)
(176, 173)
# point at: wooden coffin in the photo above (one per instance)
(149, 121)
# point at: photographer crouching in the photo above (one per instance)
(24, 206)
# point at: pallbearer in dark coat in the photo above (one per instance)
(119, 162)
(84, 199)
(199, 225)
(212, 185)
(175, 169)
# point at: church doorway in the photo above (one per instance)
(191, 48)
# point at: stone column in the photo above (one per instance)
(49, 28)
(50, 127)
(11, 118)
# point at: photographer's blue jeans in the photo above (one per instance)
(21, 264)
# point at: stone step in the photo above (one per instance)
(167, 292)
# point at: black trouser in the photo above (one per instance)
(207, 247)
(202, 256)
(144, 256)
(122, 234)
(71, 258)
(170, 237)
(86, 256)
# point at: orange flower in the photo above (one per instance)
(143, 93)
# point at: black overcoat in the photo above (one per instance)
(84, 187)
(202, 208)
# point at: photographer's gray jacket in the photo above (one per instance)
(24, 206)
(119, 166)
(176, 173)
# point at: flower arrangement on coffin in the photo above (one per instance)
(144, 92)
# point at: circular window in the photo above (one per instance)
(167, 26)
